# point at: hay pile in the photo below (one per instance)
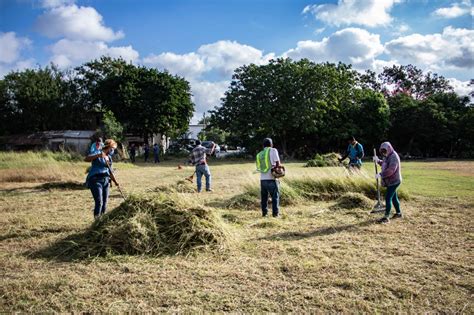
(152, 226)
(310, 189)
(71, 185)
(250, 198)
(181, 186)
(353, 201)
(329, 159)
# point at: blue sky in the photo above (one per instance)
(205, 40)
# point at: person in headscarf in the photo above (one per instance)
(391, 178)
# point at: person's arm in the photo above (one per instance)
(92, 157)
(360, 154)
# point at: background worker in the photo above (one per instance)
(199, 159)
(156, 152)
(146, 150)
(391, 176)
(355, 152)
(98, 178)
(133, 152)
(96, 146)
(267, 159)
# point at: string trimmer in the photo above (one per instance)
(190, 178)
(379, 207)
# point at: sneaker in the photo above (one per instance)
(264, 215)
(276, 216)
(209, 190)
(397, 216)
(383, 220)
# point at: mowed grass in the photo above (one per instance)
(315, 258)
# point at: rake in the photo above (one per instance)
(379, 207)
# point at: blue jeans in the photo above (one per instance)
(392, 196)
(99, 187)
(271, 187)
(203, 169)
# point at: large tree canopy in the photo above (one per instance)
(143, 100)
(309, 107)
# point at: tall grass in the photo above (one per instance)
(40, 166)
(293, 191)
(15, 160)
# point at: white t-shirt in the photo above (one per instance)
(273, 159)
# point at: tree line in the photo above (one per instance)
(131, 99)
(309, 107)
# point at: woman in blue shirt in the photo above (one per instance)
(98, 178)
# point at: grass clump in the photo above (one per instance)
(310, 189)
(181, 186)
(353, 201)
(324, 160)
(250, 198)
(157, 225)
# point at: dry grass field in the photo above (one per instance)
(315, 258)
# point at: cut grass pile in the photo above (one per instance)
(293, 191)
(152, 225)
(353, 201)
(323, 160)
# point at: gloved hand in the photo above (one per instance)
(378, 175)
(375, 159)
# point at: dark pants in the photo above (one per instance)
(157, 158)
(132, 157)
(146, 157)
(99, 187)
(271, 187)
(390, 197)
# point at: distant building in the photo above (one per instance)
(193, 131)
(68, 140)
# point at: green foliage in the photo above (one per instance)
(213, 134)
(111, 127)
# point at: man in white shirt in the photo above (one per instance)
(266, 160)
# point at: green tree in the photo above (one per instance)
(33, 100)
(217, 135)
(112, 128)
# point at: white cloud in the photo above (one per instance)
(56, 3)
(207, 95)
(11, 46)
(350, 45)
(222, 57)
(455, 10)
(225, 56)
(369, 13)
(460, 87)
(187, 65)
(452, 49)
(16, 66)
(319, 30)
(72, 52)
(77, 23)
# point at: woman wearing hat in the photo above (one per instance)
(98, 178)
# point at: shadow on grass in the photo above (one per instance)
(69, 185)
(295, 236)
(66, 249)
(63, 186)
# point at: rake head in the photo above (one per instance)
(190, 179)
(379, 207)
